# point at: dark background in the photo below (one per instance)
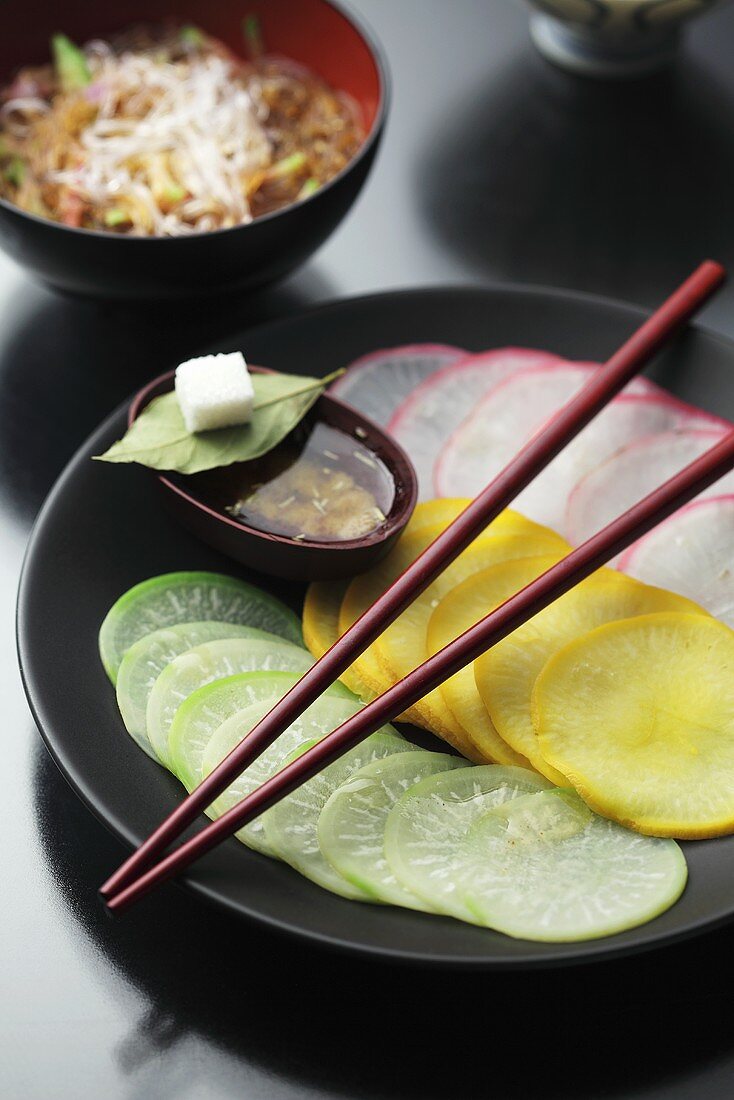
(495, 167)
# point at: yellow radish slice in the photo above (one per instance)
(505, 675)
(457, 611)
(324, 598)
(431, 512)
(404, 644)
(639, 715)
(321, 628)
(364, 590)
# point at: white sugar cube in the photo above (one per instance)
(215, 391)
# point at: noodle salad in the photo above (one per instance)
(167, 132)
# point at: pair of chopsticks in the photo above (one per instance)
(136, 877)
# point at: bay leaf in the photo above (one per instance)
(158, 437)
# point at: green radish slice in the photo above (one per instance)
(426, 825)
(352, 823)
(199, 716)
(320, 718)
(208, 662)
(188, 598)
(544, 867)
(145, 660)
(292, 825)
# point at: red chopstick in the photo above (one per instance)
(604, 384)
(576, 566)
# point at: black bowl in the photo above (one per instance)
(199, 507)
(317, 33)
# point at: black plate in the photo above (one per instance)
(102, 530)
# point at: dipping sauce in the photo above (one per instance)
(320, 485)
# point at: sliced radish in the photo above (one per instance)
(632, 473)
(426, 418)
(378, 382)
(514, 410)
(628, 418)
(692, 553)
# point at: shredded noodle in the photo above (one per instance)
(168, 138)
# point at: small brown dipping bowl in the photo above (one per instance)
(279, 555)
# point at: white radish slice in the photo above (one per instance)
(189, 597)
(426, 825)
(544, 867)
(377, 383)
(426, 418)
(291, 826)
(692, 553)
(352, 823)
(628, 418)
(145, 660)
(203, 665)
(632, 473)
(516, 409)
(316, 722)
(202, 713)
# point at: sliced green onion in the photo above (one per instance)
(70, 63)
(253, 35)
(192, 36)
(116, 216)
(310, 187)
(287, 167)
(174, 192)
(14, 171)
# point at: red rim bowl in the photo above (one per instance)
(318, 33)
(277, 555)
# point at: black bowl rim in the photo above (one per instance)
(395, 521)
(379, 56)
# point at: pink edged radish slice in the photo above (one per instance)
(629, 417)
(426, 418)
(512, 412)
(632, 473)
(691, 553)
(378, 382)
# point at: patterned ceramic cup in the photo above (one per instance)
(614, 38)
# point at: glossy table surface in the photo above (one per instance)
(495, 167)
